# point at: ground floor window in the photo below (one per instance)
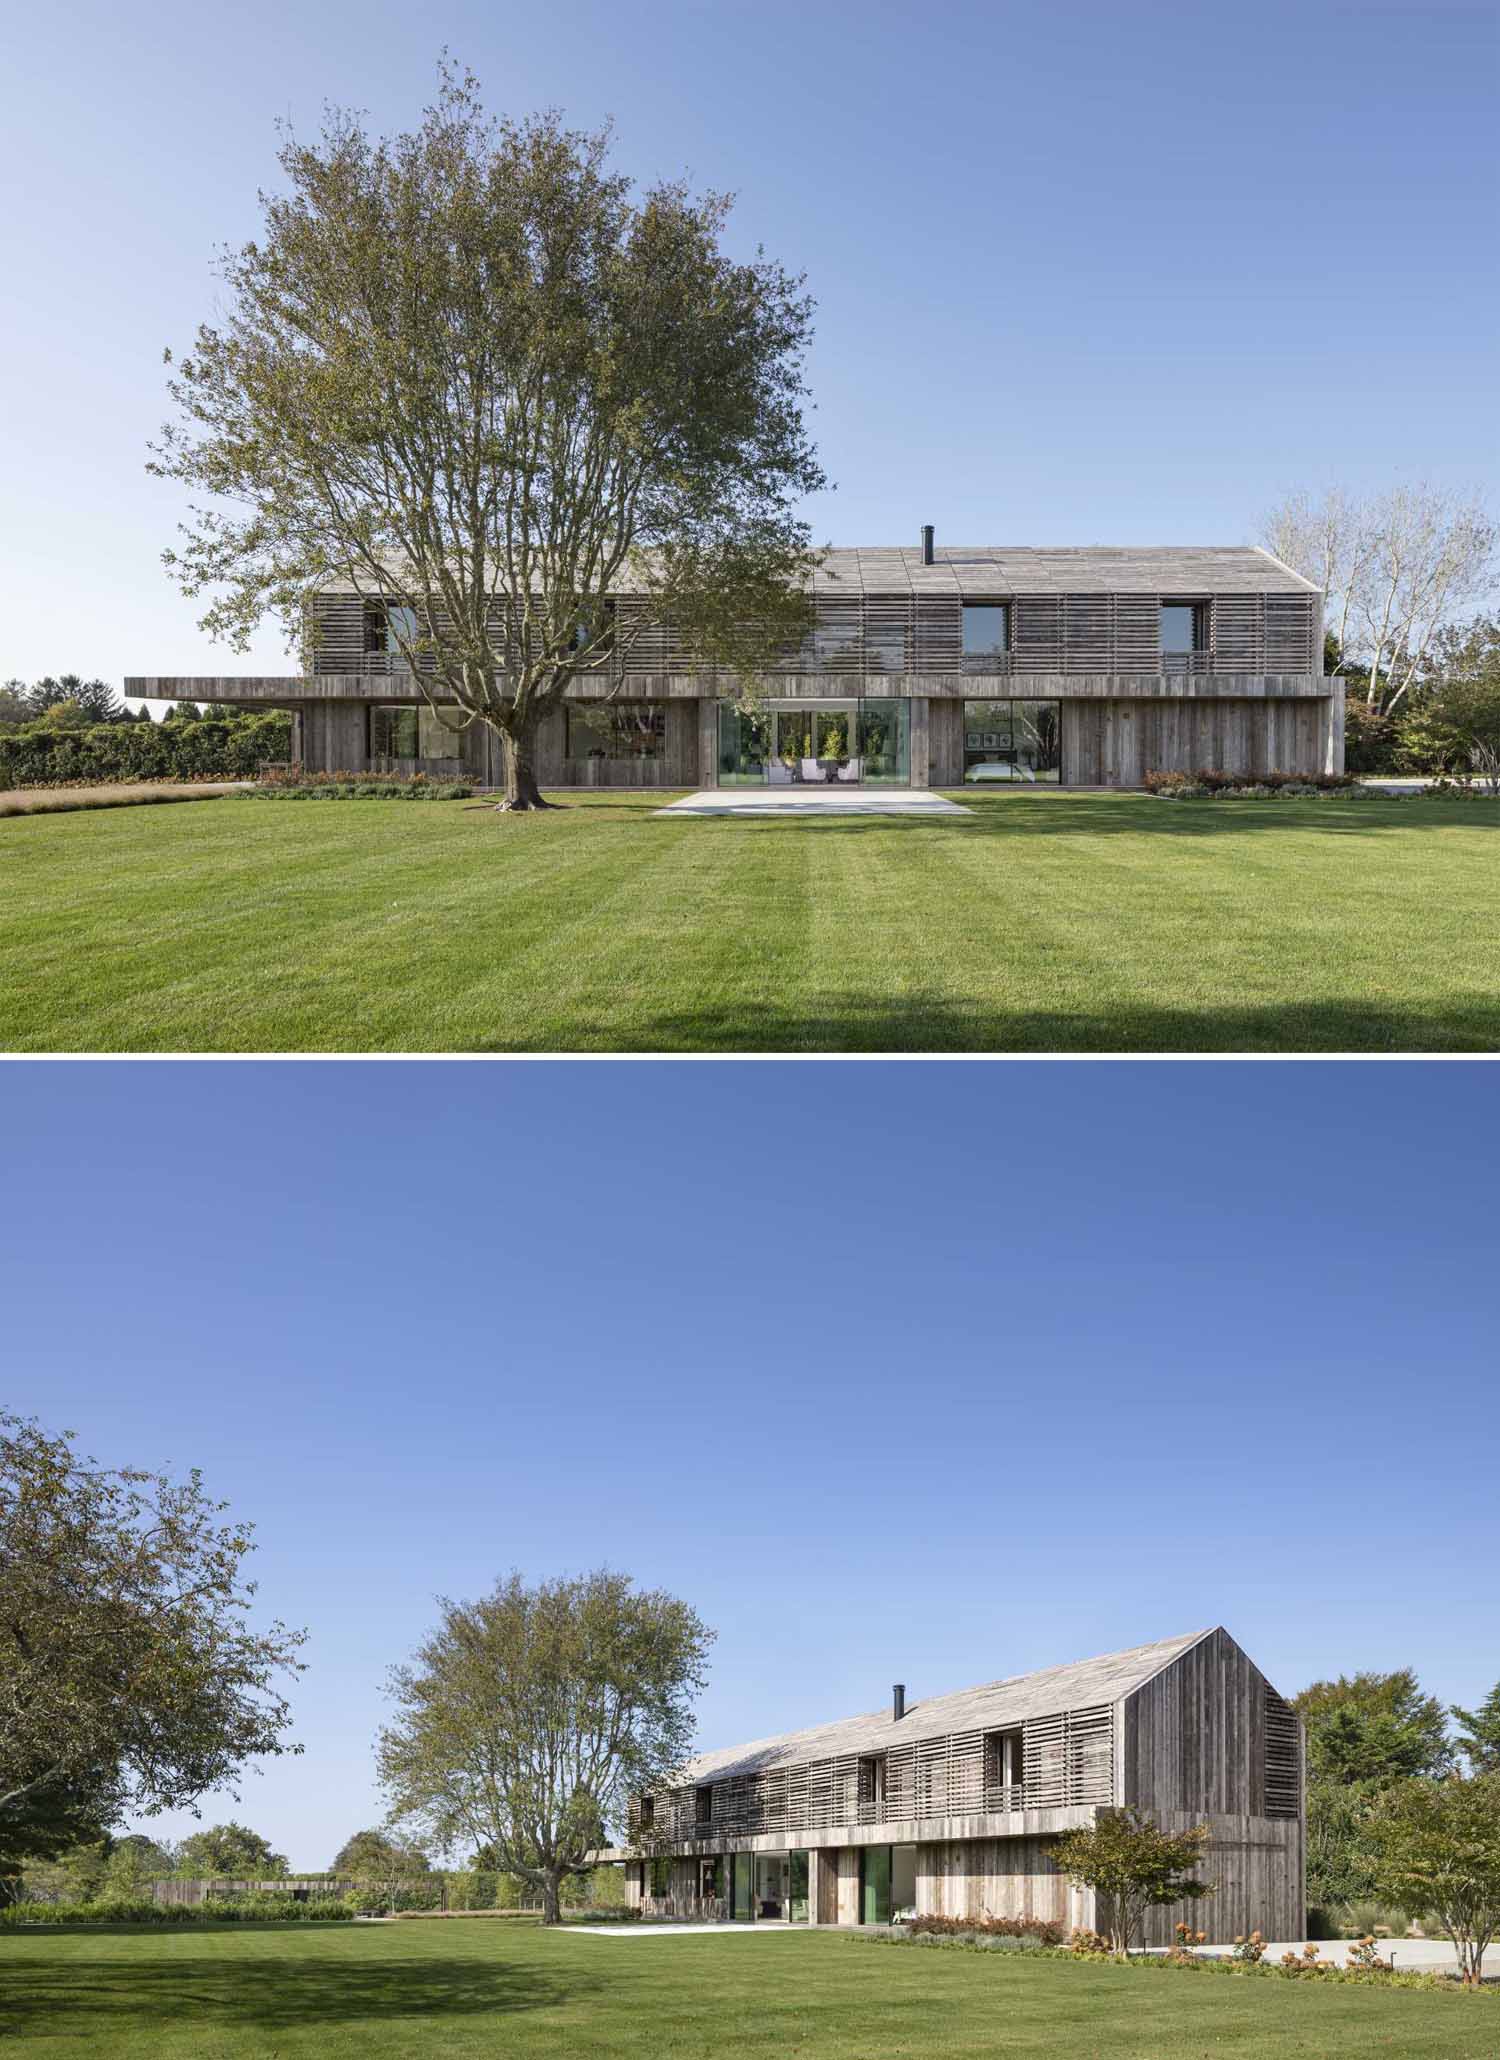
(621, 731)
(415, 734)
(823, 743)
(661, 1877)
(741, 1869)
(797, 1878)
(1012, 741)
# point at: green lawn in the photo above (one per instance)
(1089, 922)
(430, 1988)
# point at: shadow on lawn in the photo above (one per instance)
(916, 1023)
(282, 1992)
(1017, 816)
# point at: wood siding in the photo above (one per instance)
(1208, 1738)
(997, 1877)
(1115, 743)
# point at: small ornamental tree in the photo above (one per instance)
(1132, 1865)
(528, 1719)
(132, 1680)
(470, 374)
(1435, 1851)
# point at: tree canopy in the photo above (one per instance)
(376, 1856)
(530, 1716)
(231, 1849)
(1479, 1733)
(133, 1680)
(472, 374)
(1373, 1727)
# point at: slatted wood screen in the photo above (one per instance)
(1067, 1761)
(859, 634)
(1283, 1744)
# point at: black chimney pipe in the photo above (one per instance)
(926, 543)
(898, 1693)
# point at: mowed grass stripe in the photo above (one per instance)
(346, 1992)
(1064, 922)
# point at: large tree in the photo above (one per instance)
(131, 1674)
(529, 1717)
(1365, 1731)
(1395, 568)
(473, 375)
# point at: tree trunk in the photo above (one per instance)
(551, 1898)
(518, 748)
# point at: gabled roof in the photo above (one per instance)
(990, 571)
(995, 571)
(1081, 1685)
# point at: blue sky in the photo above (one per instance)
(929, 1373)
(1087, 272)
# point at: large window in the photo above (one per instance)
(622, 731)
(413, 734)
(1184, 629)
(1012, 742)
(986, 629)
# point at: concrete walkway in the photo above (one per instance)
(813, 804)
(669, 1930)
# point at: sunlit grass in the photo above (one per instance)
(1090, 922)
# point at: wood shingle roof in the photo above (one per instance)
(993, 1707)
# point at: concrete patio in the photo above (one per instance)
(813, 804)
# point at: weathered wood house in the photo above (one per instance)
(947, 1807)
(926, 668)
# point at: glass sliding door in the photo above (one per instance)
(875, 1884)
(825, 743)
(885, 743)
(796, 1907)
(741, 1868)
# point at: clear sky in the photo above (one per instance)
(1088, 271)
(931, 1373)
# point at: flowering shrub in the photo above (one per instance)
(1187, 786)
(1184, 1938)
(1305, 1962)
(1042, 1929)
(1250, 1951)
(1364, 1957)
(1087, 1943)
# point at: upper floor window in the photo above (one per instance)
(648, 1812)
(872, 1779)
(1004, 1764)
(986, 629)
(385, 626)
(1184, 627)
(703, 1804)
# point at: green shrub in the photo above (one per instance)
(256, 1909)
(357, 787)
(234, 749)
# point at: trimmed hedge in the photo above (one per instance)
(133, 751)
(1209, 780)
(249, 1909)
(356, 787)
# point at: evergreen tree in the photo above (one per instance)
(1479, 1733)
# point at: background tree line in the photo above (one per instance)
(65, 730)
(1370, 1736)
(1405, 575)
